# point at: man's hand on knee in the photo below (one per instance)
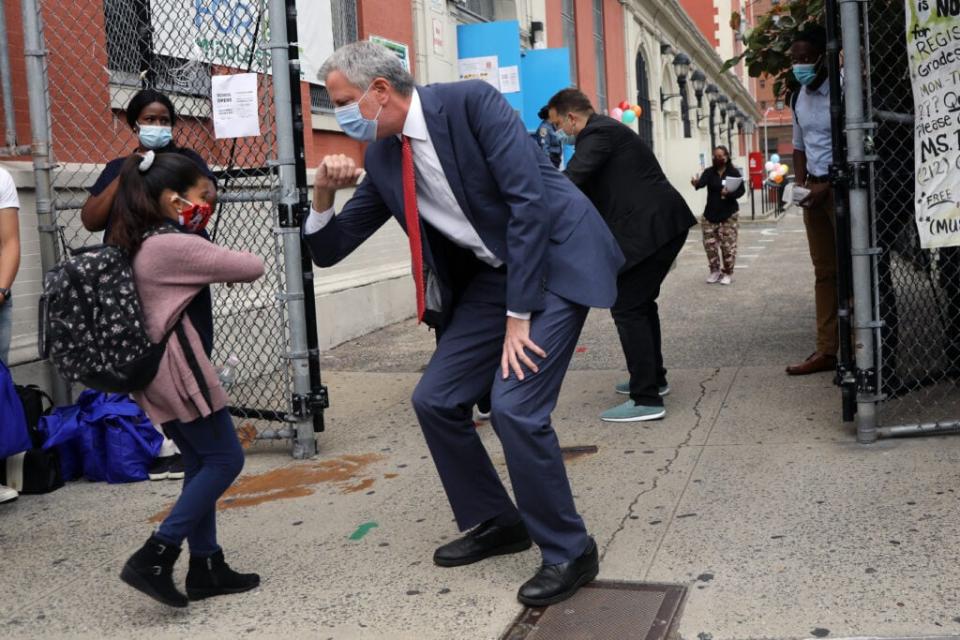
(515, 345)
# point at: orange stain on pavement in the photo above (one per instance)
(295, 481)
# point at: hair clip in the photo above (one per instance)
(147, 161)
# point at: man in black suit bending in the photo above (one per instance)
(650, 221)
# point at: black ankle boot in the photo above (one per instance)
(211, 576)
(150, 570)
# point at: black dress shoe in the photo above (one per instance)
(484, 541)
(556, 582)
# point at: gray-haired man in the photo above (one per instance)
(507, 258)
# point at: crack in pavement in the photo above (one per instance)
(665, 469)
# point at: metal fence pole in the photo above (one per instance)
(860, 244)
(840, 177)
(318, 399)
(305, 445)
(9, 119)
(34, 50)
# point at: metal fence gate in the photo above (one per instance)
(86, 60)
(906, 299)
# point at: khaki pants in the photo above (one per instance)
(821, 224)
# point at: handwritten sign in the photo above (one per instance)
(233, 33)
(933, 45)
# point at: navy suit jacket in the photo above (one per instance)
(546, 232)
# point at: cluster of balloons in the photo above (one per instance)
(776, 172)
(626, 113)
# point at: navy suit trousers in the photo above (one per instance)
(462, 370)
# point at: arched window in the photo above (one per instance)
(645, 122)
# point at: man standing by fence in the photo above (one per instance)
(507, 258)
(812, 156)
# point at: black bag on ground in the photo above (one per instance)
(32, 472)
(32, 398)
(92, 324)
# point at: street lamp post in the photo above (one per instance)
(778, 105)
(712, 94)
(681, 65)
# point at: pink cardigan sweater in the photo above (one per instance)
(169, 270)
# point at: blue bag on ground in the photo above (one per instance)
(62, 430)
(104, 437)
(14, 436)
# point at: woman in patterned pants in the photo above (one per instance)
(720, 222)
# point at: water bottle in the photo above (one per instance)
(228, 372)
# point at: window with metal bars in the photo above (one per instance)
(645, 121)
(130, 53)
(600, 57)
(568, 18)
(345, 31)
(484, 9)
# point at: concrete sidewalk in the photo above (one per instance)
(751, 492)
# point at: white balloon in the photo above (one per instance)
(770, 166)
(773, 174)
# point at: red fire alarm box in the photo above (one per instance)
(756, 162)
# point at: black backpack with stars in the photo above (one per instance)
(92, 324)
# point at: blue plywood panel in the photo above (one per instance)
(543, 72)
(501, 39)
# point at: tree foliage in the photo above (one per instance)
(766, 44)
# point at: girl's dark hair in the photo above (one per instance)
(137, 208)
(726, 152)
(142, 99)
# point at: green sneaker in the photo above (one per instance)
(624, 389)
(632, 412)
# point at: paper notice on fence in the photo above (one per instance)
(486, 68)
(933, 46)
(510, 79)
(235, 105)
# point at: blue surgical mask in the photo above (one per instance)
(354, 124)
(154, 136)
(805, 73)
(567, 139)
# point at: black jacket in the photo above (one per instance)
(623, 179)
(719, 209)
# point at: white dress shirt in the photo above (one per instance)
(811, 128)
(435, 200)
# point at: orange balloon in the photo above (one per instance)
(778, 178)
(637, 109)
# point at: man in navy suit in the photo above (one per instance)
(508, 256)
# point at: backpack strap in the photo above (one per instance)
(193, 364)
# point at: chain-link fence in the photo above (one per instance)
(99, 54)
(910, 313)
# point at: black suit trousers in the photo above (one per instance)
(638, 321)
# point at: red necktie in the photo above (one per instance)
(412, 217)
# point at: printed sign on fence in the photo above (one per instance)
(933, 46)
(235, 106)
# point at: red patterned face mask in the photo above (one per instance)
(195, 216)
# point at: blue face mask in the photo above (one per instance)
(567, 139)
(354, 124)
(154, 136)
(805, 73)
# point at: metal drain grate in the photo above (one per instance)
(604, 610)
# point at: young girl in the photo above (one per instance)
(158, 192)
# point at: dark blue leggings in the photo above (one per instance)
(212, 458)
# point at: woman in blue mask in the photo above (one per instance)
(152, 118)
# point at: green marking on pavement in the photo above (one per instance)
(363, 530)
